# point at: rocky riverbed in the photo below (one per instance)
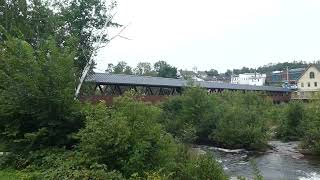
(283, 161)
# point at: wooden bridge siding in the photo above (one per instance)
(110, 99)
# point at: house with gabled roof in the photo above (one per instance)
(308, 83)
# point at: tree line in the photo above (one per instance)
(159, 69)
(163, 69)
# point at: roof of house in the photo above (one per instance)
(306, 69)
(121, 79)
(297, 69)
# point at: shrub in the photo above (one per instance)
(197, 167)
(37, 108)
(229, 119)
(127, 137)
(192, 116)
(311, 128)
(243, 122)
(63, 164)
(291, 125)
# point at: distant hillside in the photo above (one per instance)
(281, 66)
(266, 69)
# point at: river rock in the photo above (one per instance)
(198, 150)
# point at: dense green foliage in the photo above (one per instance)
(28, 20)
(36, 95)
(243, 121)
(190, 117)
(49, 134)
(163, 69)
(230, 119)
(290, 127)
(56, 163)
(200, 167)
(311, 127)
(76, 24)
(8, 175)
(118, 142)
(44, 47)
(160, 69)
(300, 121)
(282, 66)
(127, 137)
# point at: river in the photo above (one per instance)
(283, 162)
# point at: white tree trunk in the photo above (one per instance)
(90, 62)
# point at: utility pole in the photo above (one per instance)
(288, 74)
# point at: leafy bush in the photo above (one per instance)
(243, 121)
(291, 125)
(9, 174)
(197, 167)
(229, 119)
(37, 108)
(122, 141)
(62, 164)
(311, 128)
(192, 116)
(127, 137)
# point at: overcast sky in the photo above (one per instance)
(219, 34)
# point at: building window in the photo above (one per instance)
(308, 84)
(302, 85)
(311, 75)
(315, 84)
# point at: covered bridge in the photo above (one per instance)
(107, 86)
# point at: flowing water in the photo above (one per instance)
(282, 162)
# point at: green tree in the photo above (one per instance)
(128, 70)
(212, 73)
(143, 69)
(73, 23)
(187, 75)
(120, 68)
(228, 73)
(110, 68)
(192, 116)
(36, 92)
(31, 21)
(228, 119)
(311, 127)
(163, 69)
(127, 137)
(85, 21)
(291, 125)
(243, 121)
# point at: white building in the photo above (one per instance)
(256, 79)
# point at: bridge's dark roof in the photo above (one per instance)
(104, 78)
(121, 79)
